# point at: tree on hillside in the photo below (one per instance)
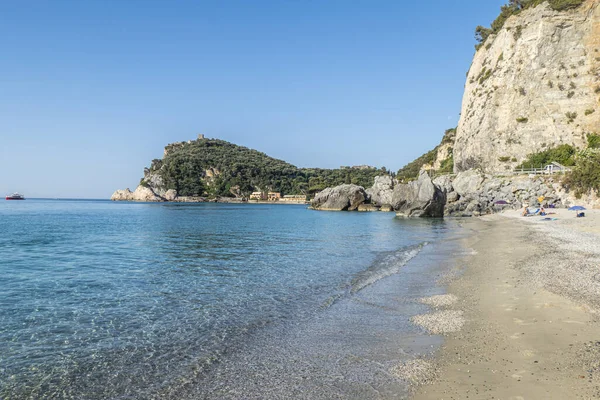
(215, 167)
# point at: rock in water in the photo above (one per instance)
(122, 195)
(382, 190)
(444, 182)
(368, 208)
(141, 193)
(340, 198)
(386, 208)
(420, 198)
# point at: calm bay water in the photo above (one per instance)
(103, 300)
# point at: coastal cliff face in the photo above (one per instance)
(532, 86)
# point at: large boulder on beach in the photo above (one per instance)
(420, 198)
(444, 182)
(382, 190)
(468, 183)
(340, 198)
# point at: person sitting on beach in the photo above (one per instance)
(542, 211)
(580, 214)
(525, 212)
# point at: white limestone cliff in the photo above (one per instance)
(534, 85)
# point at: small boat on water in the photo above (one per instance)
(15, 196)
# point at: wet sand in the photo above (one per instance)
(527, 304)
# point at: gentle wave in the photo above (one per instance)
(384, 266)
(387, 264)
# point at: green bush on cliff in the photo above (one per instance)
(447, 166)
(411, 170)
(514, 7)
(593, 140)
(184, 168)
(586, 174)
(449, 136)
(561, 5)
(563, 154)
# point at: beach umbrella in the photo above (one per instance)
(577, 208)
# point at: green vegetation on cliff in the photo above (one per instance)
(585, 176)
(218, 168)
(593, 140)
(514, 7)
(585, 164)
(563, 154)
(411, 170)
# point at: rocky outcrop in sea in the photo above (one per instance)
(381, 191)
(141, 193)
(340, 198)
(146, 194)
(420, 198)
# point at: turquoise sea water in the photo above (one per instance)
(103, 300)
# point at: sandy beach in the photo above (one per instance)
(521, 320)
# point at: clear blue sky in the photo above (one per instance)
(91, 91)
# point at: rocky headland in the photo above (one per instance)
(215, 170)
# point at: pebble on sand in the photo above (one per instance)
(440, 322)
(416, 372)
(442, 300)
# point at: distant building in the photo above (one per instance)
(200, 136)
(274, 196)
(361, 167)
(293, 198)
(265, 196)
(258, 196)
(555, 167)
